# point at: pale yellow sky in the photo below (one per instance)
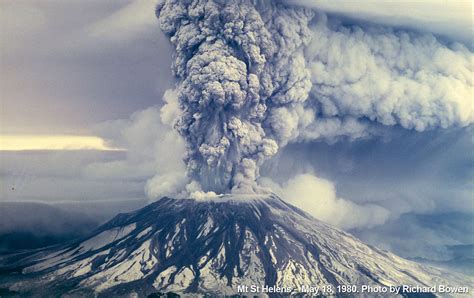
(53, 142)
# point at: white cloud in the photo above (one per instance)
(154, 149)
(318, 197)
(166, 184)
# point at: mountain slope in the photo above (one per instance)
(213, 246)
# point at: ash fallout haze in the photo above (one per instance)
(236, 147)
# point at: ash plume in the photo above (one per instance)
(236, 61)
(390, 77)
(256, 75)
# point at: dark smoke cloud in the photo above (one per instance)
(236, 61)
(254, 76)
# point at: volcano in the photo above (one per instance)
(214, 246)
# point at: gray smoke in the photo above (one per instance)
(256, 75)
(390, 77)
(236, 61)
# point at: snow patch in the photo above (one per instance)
(105, 238)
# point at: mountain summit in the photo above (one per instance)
(212, 246)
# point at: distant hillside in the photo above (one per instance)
(462, 261)
(27, 225)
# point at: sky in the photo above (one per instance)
(83, 87)
(69, 64)
(447, 18)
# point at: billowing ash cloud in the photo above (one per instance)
(236, 61)
(256, 75)
(390, 77)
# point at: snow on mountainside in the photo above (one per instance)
(212, 246)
